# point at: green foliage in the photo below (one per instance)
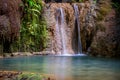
(116, 5)
(104, 9)
(81, 0)
(29, 76)
(95, 1)
(33, 32)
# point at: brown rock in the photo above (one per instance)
(9, 22)
(105, 42)
(86, 25)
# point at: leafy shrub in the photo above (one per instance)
(116, 5)
(33, 32)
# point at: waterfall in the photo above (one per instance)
(60, 30)
(63, 34)
(78, 28)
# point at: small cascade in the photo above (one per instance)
(63, 34)
(60, 30)
(78, 28)
(57, 34)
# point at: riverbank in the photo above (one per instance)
(14, 75)
(16, 54)
(45, 53)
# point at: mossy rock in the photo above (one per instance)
(104, 10)
(101, 27)
(100, 17)
(29, 76)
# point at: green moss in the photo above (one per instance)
(29, 76)
(100, 17)
(104, 10)
(100, 26)
(116, 5)
(73, 1)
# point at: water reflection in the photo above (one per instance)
(66, 68)
(59, 66)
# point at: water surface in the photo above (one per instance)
(66, 68)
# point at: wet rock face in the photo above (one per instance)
(9, 22)
(99, 32)
(106, 42)
(87, 23)
(87, 26)
(9, 19)
(54, 43)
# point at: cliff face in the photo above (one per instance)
(106, 41)
(9, 22)
(99, 28)
(87, 25)
(50, 14)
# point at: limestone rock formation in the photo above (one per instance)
(49, 14)
(99, 28)
(87, 25)
(106, 42)
(9, 22)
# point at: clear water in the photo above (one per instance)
(66, 68)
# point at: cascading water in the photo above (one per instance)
(63, 34)
(57, 33)
(60, 30)
(78, 28)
